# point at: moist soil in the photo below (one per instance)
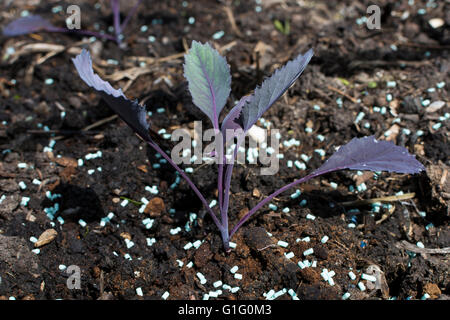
(352, 71)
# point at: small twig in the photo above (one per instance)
(370, 64)
(60, 132)
(352, 99)
(230, 16)
(99, 123)
(270, 245)
(83, 131)
(405, 196)
(413, 248)
(385, 216)
(424, 46)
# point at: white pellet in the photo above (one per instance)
(361, 286)
(82, 223)
(282, 243)
(289, 255)
(165, 295)
(368, 277)
(234, 269)
(201, 277)
(234, 289)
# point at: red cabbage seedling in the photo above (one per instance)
(35, 23)
(209, 80)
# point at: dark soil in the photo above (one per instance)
(351, 72)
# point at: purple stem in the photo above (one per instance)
(273, 195)
(220, 187)
(130, 14)
(220, 184)
(228, 175)
(115, 7)
(220, 155)
(191, 184)
(224, 209)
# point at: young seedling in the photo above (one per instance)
(209, 82)
(35, 23)
(284, 28)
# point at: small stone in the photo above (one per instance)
(155, 207)
(256, 193)
(434, 106)
(436, 23)
(75, 102)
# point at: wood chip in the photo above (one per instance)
(413, 248)
(433, 290)
(126, 235)
(66, 162)
(143, 168)
(256, 193)
(46, 237)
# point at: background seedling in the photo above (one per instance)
(284, 28)
(35, 23)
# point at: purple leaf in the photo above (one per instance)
(29, 24)
(370, 154)
(271, 89)
(130, 111)
(209, 79)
